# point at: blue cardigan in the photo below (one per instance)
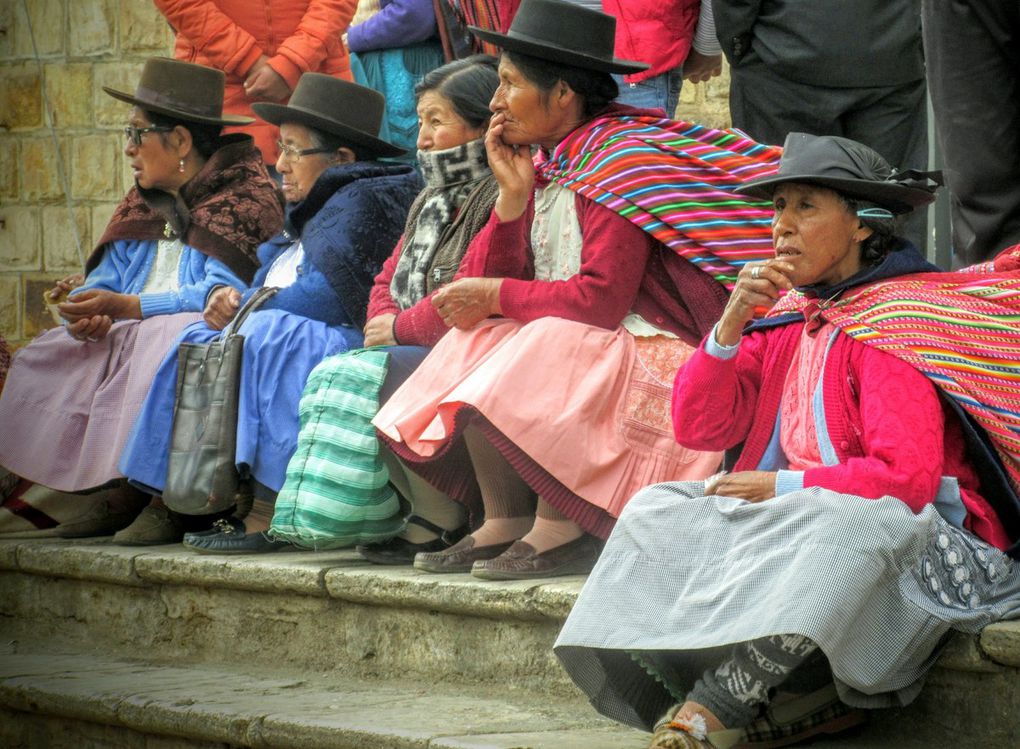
(348, 223)
(126, 264)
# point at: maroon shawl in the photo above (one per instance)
(225, 211)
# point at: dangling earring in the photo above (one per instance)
(180, 166)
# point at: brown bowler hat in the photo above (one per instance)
(189, 92)
(562, 32)
(335, 106)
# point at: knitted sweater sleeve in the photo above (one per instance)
(613, 258)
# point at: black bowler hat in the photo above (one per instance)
(335, 106)
(183, 90)
(850, 168)
(562, 32)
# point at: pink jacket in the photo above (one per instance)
(298, 36)
(883, 417)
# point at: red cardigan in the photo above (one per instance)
(884, 419)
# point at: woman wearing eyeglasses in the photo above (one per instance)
(199, 209)
(345, 212)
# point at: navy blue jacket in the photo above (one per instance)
(348, 223)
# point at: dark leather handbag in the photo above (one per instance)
(202, 473)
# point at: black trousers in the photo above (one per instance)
(893, 120)
(972, 49)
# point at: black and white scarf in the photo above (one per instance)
(451, 176)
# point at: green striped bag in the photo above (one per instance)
(337, 491)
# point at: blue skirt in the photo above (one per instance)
(280, 350)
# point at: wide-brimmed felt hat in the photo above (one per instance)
(182, 90)
(335, 106)
(850, 168)
(562, 32)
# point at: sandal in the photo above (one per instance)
(401, 551)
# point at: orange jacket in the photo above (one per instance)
(297, 36)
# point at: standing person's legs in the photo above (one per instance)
(894, 121)
(972, 52)
(661, 91)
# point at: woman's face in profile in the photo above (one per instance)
(155, 163)
(814, 231)
(528, 117)
(299, 172)
(439, 125)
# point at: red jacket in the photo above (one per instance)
(298, 36)
(656, 32)
(883, 417)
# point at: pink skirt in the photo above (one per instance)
(68, 406)
(582, 413)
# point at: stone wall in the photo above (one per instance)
(79, 47)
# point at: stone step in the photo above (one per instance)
(349, 624)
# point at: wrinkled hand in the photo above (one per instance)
(751, 294)
(513, 168)
(265, 84)
(699, 68)
(99, 302)
(90, 328)
(754, 486)
(467, 301)
(221, 307)
(66, 285)
(379, 331)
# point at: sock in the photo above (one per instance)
(551, 529)
(426, 501)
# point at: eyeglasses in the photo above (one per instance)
(294, 155)
(134, 134)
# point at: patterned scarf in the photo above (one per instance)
(451, 176)
(674, 180)
(225, 211)
(959, 329)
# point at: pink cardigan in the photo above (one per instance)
(883, 418)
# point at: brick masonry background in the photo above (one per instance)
(79, 47)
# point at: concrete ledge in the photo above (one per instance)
(263, 709)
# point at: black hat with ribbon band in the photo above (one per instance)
(182, 90)
(565, 33)
(851, 169)
(335, 106)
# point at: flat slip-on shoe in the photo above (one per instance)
(459, 557)
(261, 542)
(522, 562)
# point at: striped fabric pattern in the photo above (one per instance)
(336, 493)
(960, 329)
(675, 180)
(485, 15)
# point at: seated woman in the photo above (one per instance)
(200, 207)
(566, 394)
(322, 504)
(854, 524)
(345, 210)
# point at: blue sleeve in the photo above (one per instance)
(114, 270)
(399, 23)
(201, 274)
(310, 296)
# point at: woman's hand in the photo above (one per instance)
(467, 301)
(91, 328)
(99, 302)
(754, 486)
(265, 84)
(221, 307)
(379, 331)
(758, 286)
(65, 286)
(513, 168)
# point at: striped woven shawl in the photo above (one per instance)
(960, 329)
(675, 180)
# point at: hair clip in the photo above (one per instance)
(874, 213)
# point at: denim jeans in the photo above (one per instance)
(661, 91)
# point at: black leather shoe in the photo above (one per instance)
(398, 550)
(261, 542)
(223, 525)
